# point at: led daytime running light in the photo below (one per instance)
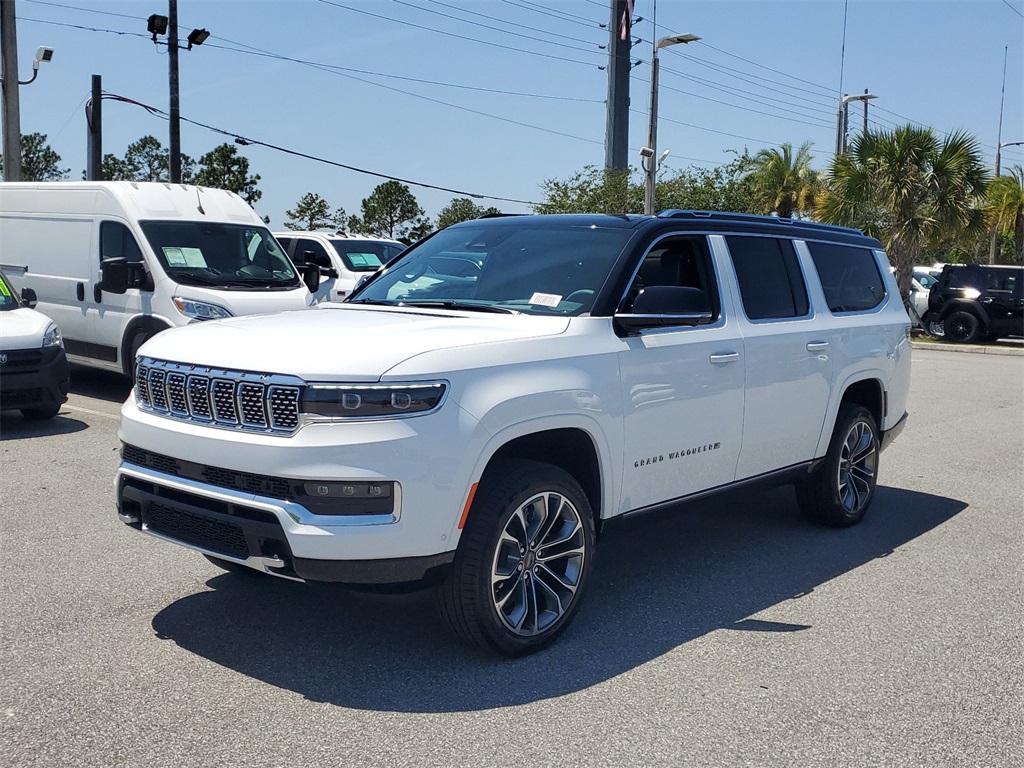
(372, 400)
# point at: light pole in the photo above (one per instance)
(647, 153)
(995, 233)
(160, 25)
(11, 106)
(841, 118)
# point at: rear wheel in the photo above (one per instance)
(41, 412)
(962, 327)
(523, 562)
(840, 490)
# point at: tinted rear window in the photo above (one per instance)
(849, 276)
(771, 285)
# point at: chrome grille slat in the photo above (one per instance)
(252, 402)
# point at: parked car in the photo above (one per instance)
(343, 259)
(34, 371)
(114, 263)
(510, 386)
(975, 302)
(920, 285)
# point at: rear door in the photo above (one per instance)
(788, 357)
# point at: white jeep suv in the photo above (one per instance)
(477, 411)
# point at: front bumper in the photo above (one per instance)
(34, 377)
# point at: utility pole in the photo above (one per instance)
(866, 112)
(9, 83)
(999, 145)
(843, 118)
(616, 143)
(94, 138)
(175, 120)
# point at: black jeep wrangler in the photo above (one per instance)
(978, 301)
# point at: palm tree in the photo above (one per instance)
(785, 183)
(909, 189)
(1006, 207)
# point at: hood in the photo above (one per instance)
(339, 342)
(22, 328)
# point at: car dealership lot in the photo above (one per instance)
(729, 633)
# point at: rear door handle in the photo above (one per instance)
(80, 292)
(97, 293)
(817, 346)
(725, 357)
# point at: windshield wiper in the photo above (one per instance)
(460, 305)
(197, 279)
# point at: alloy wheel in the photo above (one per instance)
(857, 465)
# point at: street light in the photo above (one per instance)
(648, 152)
(842, 118)
(160, 25)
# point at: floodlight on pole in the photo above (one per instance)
(648, 153)
(844, 103)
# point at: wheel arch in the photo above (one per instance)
(965, 306)
(864, 388)
(146, 325)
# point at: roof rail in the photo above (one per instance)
(751, 218)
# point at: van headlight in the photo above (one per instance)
(366, 401)
(52, 337)
(200, 310)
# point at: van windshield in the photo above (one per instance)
(366, 255)
(231, 256)
(8, 299)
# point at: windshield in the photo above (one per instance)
(220, 255)
(8, 298)
(366, 255)
(529, 268)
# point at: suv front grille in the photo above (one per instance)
(254, 402)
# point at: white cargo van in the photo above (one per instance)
(343, 259)
(114, 263)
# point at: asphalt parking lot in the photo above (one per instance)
(726, 633)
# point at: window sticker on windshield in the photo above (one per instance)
(4, 291)
(546, 299)
(185, 257)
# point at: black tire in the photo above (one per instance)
(962, 327)
(839, 492)
(479, 601)
(933, 327)
(132, 351)
(230, 567)
(41, 412)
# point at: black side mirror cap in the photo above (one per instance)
(28, 298)
(310, 276)
(115, 275)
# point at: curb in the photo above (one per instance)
(974, 349)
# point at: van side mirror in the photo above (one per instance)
(28, 298)
(665, 305)
(310, 274)
(115, 275)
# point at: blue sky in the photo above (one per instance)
(492, 97)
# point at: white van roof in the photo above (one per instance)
(331, 234)
(131, 199)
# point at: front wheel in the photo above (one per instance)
(840, 490)
(933, 327)
(523, 562)
(41, 412)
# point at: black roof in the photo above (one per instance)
(726, 223)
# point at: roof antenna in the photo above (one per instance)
(199, 202)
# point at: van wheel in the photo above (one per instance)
(41, 412)
(840, 490)
(523, 561)
(962, 327)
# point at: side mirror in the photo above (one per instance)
(310, 274)
(115, 275)
(304, 257)
(328, 272)
(665, 305)
(28, 298)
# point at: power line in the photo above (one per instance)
(1012, 8)
(552, 12)
(492, 18)
(246, 141)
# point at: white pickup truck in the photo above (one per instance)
(484, 405)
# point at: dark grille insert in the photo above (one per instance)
(199, 397)
(284, 407)
(160, 463)
(157, 392)
(224, 401)
(250, 398)
(190, 528)
(176, 394)
(23, 358)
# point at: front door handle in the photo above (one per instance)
(817, 346)
(725, 357)
(80, 292)
(97, 293)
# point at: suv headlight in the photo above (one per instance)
(367, 401)
(52, 337)
(200, 310)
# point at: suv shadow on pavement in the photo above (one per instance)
(667, 581)
(14, 427)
